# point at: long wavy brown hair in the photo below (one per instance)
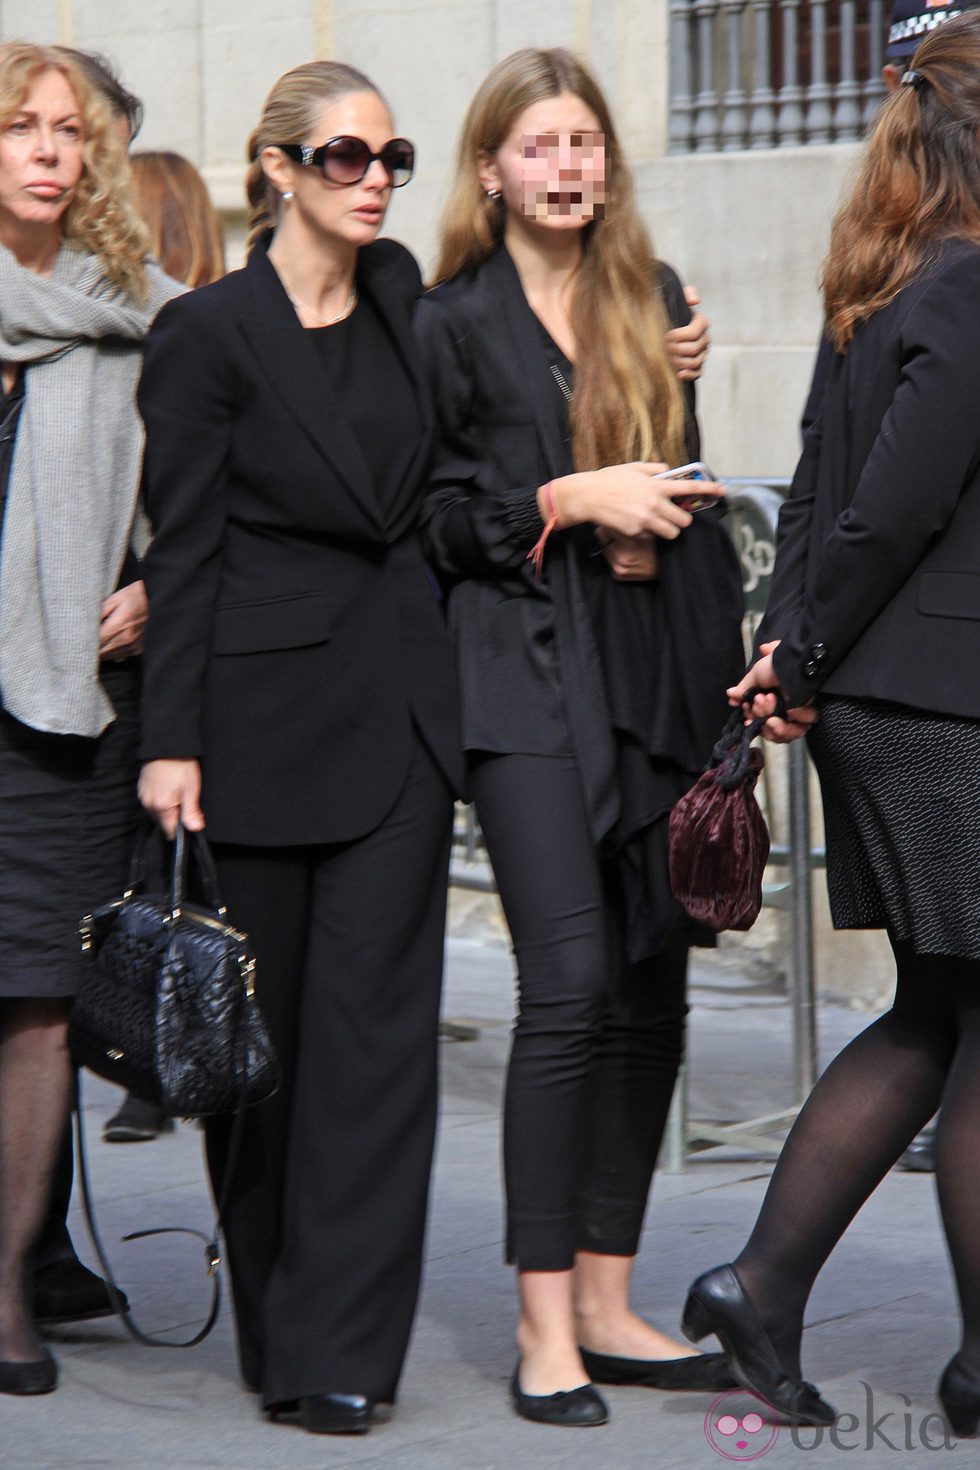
(185, 232)
(627, 403)
(288, 115)
(102, 216)
(918, 186)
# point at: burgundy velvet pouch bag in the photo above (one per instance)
(719, 842)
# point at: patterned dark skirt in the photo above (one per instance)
(67, 815)
(901, 798)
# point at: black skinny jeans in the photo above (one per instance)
(597, 1042)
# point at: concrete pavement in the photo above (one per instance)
(882, 1315)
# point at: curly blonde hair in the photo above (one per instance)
(102, 217)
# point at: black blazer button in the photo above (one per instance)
(818, 652)
(811, 668)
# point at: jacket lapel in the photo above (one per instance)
(288, 360)
(543, 393)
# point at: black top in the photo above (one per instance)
(364, 370)
(875, 591)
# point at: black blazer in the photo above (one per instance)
(294, 631)
(876, 588)
(530, 671)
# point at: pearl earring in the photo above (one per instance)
(286, 196)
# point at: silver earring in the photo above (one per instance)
(493, 194)
(286, 196)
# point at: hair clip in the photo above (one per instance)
(912, 79)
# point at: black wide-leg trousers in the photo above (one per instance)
(325, 1224)
(597, 1042)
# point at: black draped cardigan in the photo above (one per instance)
(629, 679)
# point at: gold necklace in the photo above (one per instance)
(324, 321)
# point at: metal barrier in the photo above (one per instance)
(753, 507)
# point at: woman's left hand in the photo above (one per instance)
(630, 558)
(123, 623)
(762, 676)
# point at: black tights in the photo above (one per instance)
(35, 1087)
(597, 1042)
(861, 1116)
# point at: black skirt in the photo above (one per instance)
(901, 797)
(67, 815)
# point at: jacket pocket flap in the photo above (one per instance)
(283, 622)
(949, 594)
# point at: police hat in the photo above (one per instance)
(913, 20)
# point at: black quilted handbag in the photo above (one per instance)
(167, 1007)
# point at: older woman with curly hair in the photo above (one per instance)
(76, 299)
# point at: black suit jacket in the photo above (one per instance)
(294, 632)
(876, 588)
(530, 670)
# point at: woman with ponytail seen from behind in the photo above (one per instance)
(299, 700)
(874, 623)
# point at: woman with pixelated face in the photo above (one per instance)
(593, 618)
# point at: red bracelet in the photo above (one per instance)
(536, 554)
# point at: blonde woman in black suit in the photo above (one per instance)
(300, 700)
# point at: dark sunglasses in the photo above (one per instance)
(346, 160)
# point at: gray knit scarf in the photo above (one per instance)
(74, 481)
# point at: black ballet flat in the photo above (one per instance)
(575, 1408)
(703, 1372)
(38, 1376)
(959, 1394)
(336, 1413)
(717, 1303)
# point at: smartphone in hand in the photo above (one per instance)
(689, 500)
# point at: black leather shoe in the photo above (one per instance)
(336, 1413)
(575, 1408)
(717, 1303)
(136, 1122)
(704, 1372)
(959, 1394)
(39, 1376)
(920, 1156)
(67, 1291)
